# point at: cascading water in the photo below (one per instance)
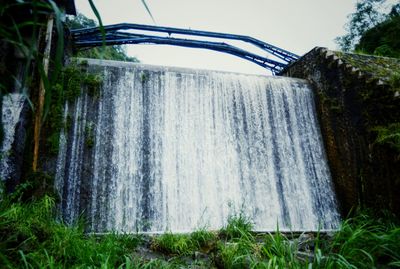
(12, 106)
(177, 149)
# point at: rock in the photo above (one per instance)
(305, 256)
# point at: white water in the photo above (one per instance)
(179, 149)
(11, 111)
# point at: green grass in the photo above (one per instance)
(168, 243)
(237, 254)
(203, 239)
(184, 244)
(238, 226)
(31, 236)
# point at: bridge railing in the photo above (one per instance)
(118, 34)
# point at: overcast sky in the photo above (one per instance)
(294, 25)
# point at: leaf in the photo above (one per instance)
(148, 11)
(58, 58)
(96, 12)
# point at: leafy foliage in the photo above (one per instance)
(107, 52)
(389, 135)
(32, 38)
(383, 39)
(371, 30)
(31, 237)
(73, 78)
(367, 15)
(365, 242)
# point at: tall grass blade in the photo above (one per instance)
(23, 257)
(395, 264)
(101, 26)
(58, 59)
(148, 10)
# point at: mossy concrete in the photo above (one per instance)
(354, 95)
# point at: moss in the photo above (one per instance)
(330, 102)
(388, 135)
(53, 123)
(376, 67)
(394, 80)
(53, 143)
(74, 78)
(93, 83)
(89, 135)
(68, 122)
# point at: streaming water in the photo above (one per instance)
(178, 149)
(11, 110)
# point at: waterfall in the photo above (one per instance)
(178, 149)
(12, 106)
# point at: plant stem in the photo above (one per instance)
(42, 92)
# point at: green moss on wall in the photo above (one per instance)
(358, 104)
(89, 134)
(377, 67)
(74, 79)
(93, 82)
(389, 135)
(388, 71)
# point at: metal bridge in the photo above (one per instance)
(118, 34)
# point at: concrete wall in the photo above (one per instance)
(351, 103)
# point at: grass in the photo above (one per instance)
(31, 236)
(168, 243)
(239, 226)
(203, 239)
(184, 244)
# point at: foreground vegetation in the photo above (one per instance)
(32, 237)
(116, 52)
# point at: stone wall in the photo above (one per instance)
(355, 97)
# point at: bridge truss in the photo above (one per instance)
(119, 34)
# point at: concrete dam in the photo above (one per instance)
(172, 149)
